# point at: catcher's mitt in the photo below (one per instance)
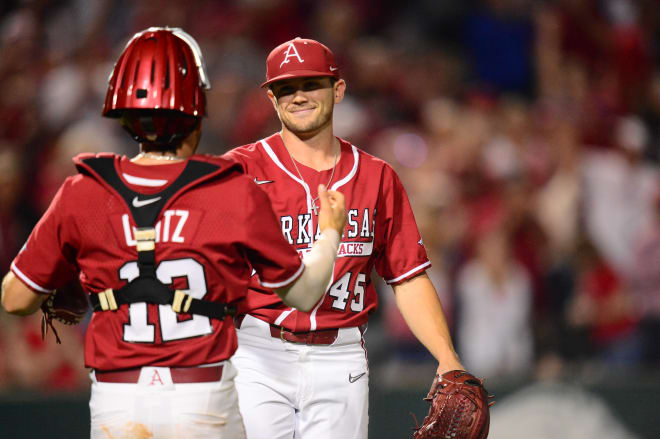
(459, 408)
(68, 305)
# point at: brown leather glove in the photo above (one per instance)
(68, 305)
(459, 408)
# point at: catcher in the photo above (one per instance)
(163, 267)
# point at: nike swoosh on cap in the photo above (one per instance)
(263, 181)
(141, 203)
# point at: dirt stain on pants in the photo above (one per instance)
(132, 430)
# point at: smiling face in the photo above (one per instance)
(305, 105)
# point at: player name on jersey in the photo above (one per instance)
(168, 229)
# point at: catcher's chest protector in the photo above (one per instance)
(146, 287)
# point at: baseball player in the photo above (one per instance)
(306, 373)
(163, 260)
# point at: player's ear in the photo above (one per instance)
(339, 90)
(272, 98)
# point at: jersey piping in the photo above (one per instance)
(337, 185)
(308, 195)
(284, 315)
(408, 273)
(351, 174)
(27, 280)
(277, 161)
(312, 315)
(285, 282)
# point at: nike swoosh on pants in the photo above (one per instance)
(352, 379)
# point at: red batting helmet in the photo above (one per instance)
(300, 57)
(157, 86)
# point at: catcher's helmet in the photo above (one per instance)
(157, 86)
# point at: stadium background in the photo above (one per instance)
(527, 133)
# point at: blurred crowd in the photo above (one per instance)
(526, 132)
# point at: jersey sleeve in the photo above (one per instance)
(276, 262)
(47, 260)
(240, 156)
(403, 255)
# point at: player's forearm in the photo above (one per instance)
(17, 298)
(319, 263)
(421, 309)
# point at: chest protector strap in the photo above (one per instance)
(146, 287)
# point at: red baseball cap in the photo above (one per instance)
(298, 58)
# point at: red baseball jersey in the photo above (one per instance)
(380, 232)
(210, 236)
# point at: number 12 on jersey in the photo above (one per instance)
(138, 330)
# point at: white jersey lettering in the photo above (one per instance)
(287, 225)
(303, 235)
(130, 240)
(364, 232)
(173, 220)
(357, 226)
(166, 227)
(176, 236)
(353, 224)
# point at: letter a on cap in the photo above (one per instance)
(291, 51)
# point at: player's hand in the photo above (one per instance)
(333, 210)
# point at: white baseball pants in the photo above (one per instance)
(156, 408)
(288, 390)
